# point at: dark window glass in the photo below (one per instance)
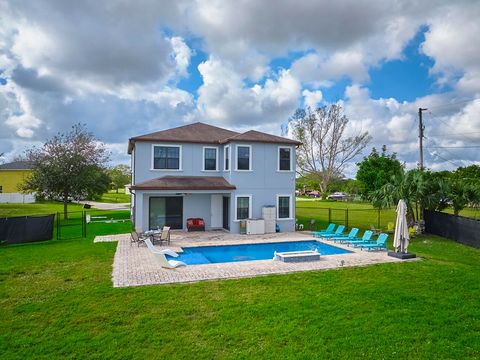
(165, 157)
(242, 208)
(283, 207)
(210, 159)
(285, 159)
(227, 158)
(243, 161)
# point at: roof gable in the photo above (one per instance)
(201, 133)
(17, 165)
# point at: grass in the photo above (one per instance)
(113, 197)
(360, 214)
(57, 301)
(40, 208)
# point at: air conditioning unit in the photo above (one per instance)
(269, 214)
(255, 227)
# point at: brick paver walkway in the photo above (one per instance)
(135, 266)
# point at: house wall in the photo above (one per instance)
(11, 179)
(194, 205)
(263, 182)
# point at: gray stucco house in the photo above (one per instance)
(203, 171)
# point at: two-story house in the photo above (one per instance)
(203, 171)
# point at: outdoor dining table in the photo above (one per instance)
(151, 234)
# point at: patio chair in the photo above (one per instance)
(352, 235)
(366, 239)
(380, 244)
(390, 228)
(161, 258)
(338, 232)
(328, 230)
(137, 238)
(375, 230)
(163, 236)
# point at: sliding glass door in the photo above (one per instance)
(166, 211)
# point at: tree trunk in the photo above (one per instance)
(117, 190)
(65, 205)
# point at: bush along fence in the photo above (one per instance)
(314, 218)
(457, 228)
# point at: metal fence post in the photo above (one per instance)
(84, 225)
(346, 218)
(329, 215)
(378, 219)
(58, 226)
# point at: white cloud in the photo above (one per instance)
(312, 98)
(182, 54)
(225, 98)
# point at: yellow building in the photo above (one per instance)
(11, 176)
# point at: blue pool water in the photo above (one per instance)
(247, 252)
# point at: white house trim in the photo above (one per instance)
(250, 157)
(249, 206)
(226, 150)
(291, 158)
(165, 145)
(290, 206)
(216, 158)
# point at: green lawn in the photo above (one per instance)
(41, 208)
(57, 301)
(113, 197)
(360, 214)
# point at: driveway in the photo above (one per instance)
(107, 206)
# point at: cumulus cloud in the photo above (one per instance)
(116, 66)
(312, 98)
(225, 98)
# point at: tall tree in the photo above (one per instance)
(375, 170)
(119, 175)
(326, 148)
(67, 166)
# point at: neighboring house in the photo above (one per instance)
(203, 171)
(11, 176)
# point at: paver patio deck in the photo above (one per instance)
(136, 266)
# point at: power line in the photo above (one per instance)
(455, 147)
(453, 103)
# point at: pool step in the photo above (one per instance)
(297, 256)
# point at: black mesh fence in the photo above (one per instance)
(23, 229)
(457, 228)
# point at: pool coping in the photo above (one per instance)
(136, 266)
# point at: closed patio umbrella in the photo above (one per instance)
(401, 237)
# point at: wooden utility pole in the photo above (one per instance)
(420, 136)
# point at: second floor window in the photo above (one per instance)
(284, 158)
(210, 159)
(243, 158)
(166, 157)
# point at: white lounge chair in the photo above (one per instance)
(160, 256)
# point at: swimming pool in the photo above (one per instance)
(248, 252)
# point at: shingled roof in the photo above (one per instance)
(185, 183)
(201, 133)
(16, 165)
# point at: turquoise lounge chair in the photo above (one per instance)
(352, 235)
(328, 230)
(338, 232)
(366, 239)
(381, 243)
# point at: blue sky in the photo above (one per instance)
(125, 69)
